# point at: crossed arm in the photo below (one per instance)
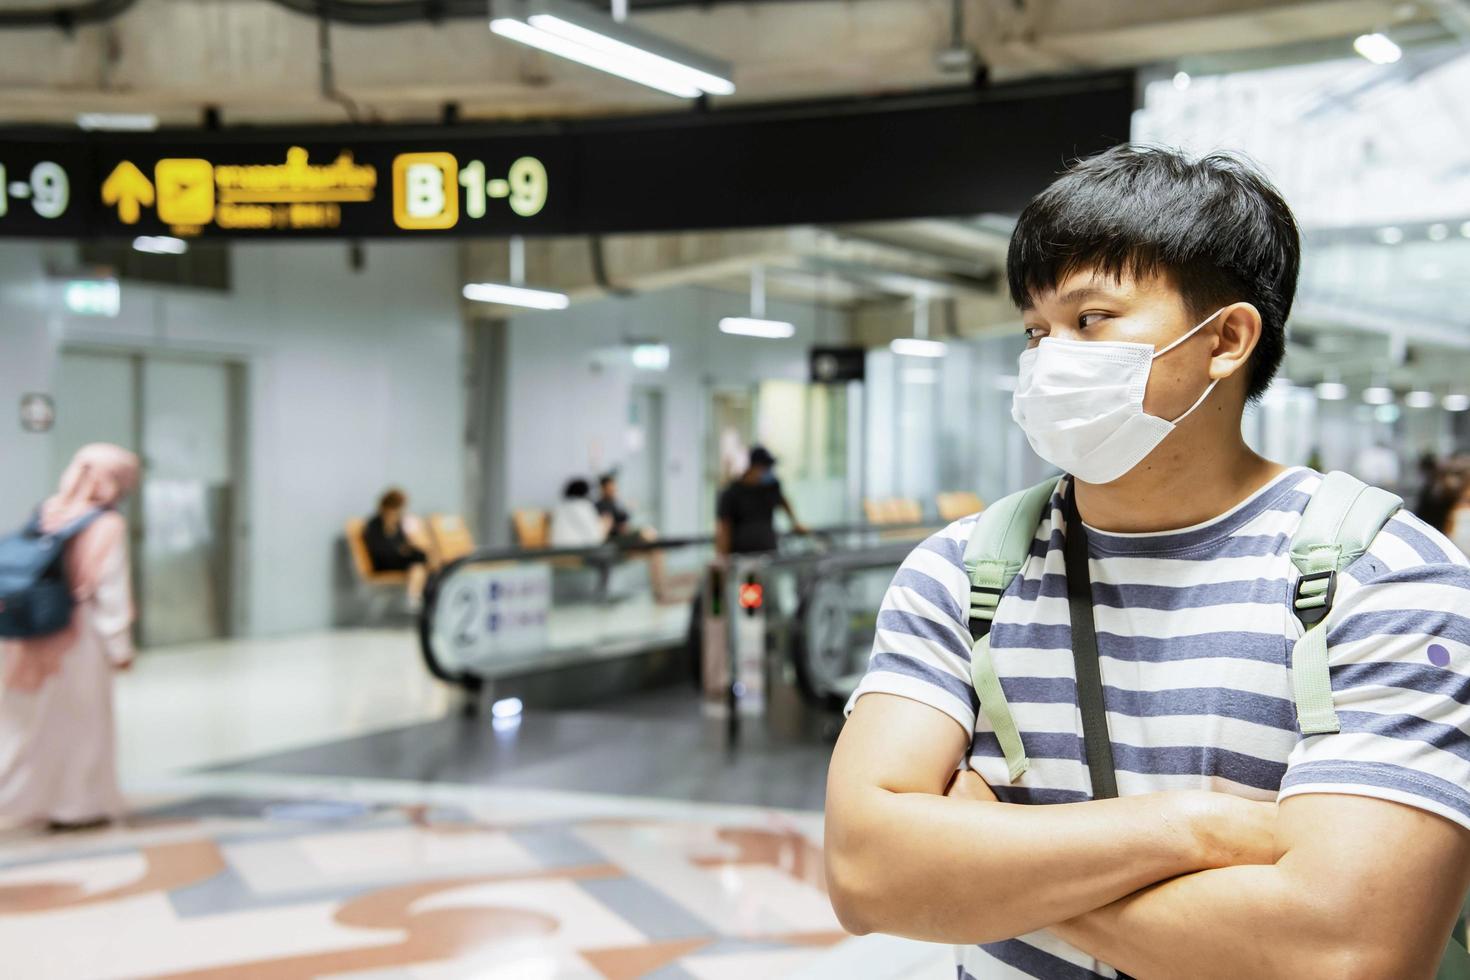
(1161, 885)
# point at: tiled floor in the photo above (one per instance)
(203, 704)
(652, 744)
(353, 825)
(277, 877)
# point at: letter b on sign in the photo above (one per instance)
(425, 191)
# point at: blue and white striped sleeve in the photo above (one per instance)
(921, 648)
(1399, 656)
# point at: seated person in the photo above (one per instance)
(621, 530)
(610, 507)
(393, 542)
(575, 523)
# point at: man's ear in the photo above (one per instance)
(1239, 332)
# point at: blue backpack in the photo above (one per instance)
(35, 596)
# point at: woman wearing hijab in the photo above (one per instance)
(57, 758)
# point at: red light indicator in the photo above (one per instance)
(751, 595)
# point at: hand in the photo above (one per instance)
(967, 784)
(1232, 830)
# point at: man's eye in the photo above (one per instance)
(1032, 333)
(1090, 319)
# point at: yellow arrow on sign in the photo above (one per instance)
(128, 189)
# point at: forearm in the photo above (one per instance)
(1248, 921)
(960, 871)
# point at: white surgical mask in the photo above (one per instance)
(1080, 403)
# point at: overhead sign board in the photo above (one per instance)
(952, 153)
(831, 365)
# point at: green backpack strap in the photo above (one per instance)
(999, 545)
(1338, 526)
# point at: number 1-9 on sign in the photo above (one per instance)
(425, 191)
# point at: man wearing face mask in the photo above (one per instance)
(1154, 293)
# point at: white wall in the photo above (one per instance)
(953, 432)
(566, 418)
(354, 383)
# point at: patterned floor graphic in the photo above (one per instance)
(239, 883)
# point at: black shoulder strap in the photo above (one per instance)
(1095, 737)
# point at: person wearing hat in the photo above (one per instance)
(747, 508)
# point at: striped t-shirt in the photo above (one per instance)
(1194, 636)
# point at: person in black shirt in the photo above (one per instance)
(666, 589)
(389, 545)
(747, 508)
(610, 507)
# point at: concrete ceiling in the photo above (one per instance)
(258, 62)
(874, 272)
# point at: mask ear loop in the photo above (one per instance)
(1208, 388)
(1196, 329)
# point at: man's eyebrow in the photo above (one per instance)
(1074, 296)
(1085, 292)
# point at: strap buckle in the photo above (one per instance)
(983, 601)
(1312, 600)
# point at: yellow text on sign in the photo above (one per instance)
(425, 191)
(185, 191)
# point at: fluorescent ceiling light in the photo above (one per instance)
(1378, 395)
(702, 80)
(536, 299)
(589, 37)
(1456, 403)
(749, 326)
(1377, 48)
(1181, 80)
(160, 245)
(1387, 413)
(1390, 235)
(914, 347)
(121, 122)
(1438, 231)
(1420, 399)
(526, 34)
(1332, 391)
(1465, 230)
(651, 357)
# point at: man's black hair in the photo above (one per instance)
(576, 488)
(1215, 226)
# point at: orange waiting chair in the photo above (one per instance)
(894, 510)
(958, 503)
(532, 528)
(381, 588)
(450, 537)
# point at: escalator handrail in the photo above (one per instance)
(609, 552)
